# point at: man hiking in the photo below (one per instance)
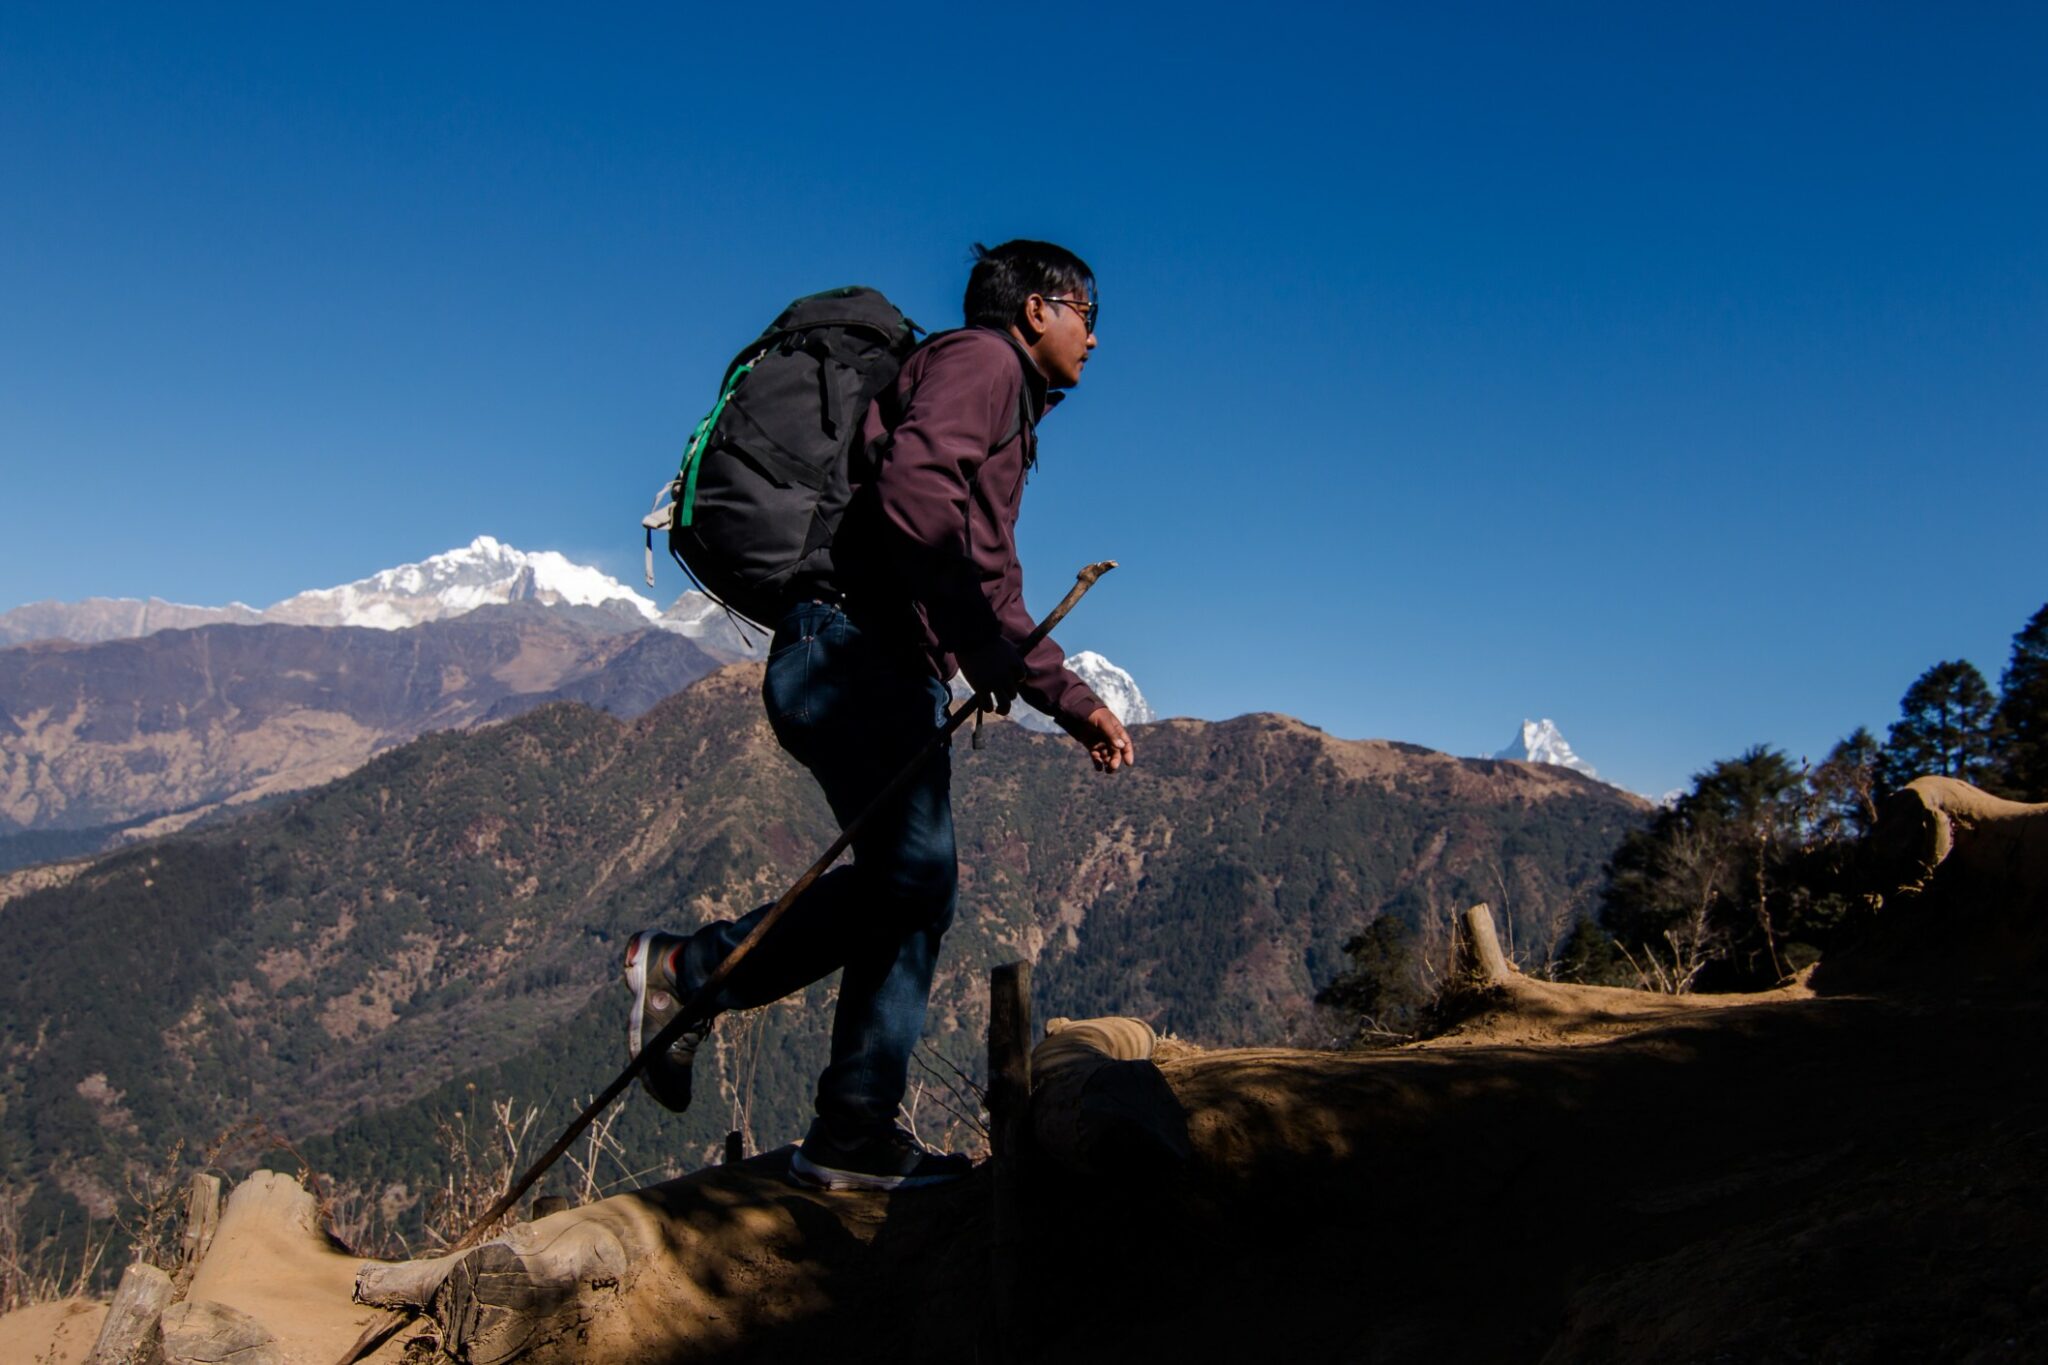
(924, 582)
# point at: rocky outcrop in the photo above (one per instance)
(1958, 882)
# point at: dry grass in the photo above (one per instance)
(948, 1101)
(600, 1152)
(369, 1218)
(45, 1271)
(148, 1222)
(480, 1158)
(481, 1155)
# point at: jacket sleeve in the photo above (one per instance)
(1049, 684)
(924, 483)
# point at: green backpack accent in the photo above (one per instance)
(763, 483)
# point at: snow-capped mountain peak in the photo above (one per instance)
(481, 573)
(1117, 688)
(1541, 742)
(485, 572)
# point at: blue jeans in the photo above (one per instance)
(854, 711)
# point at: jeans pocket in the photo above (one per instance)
(786, 687)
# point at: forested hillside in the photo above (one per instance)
(443, 926)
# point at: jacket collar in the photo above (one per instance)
(1042, 399)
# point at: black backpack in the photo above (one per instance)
(763, 485)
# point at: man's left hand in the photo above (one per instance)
(1109, 746)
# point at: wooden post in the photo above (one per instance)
(202, 1217)
(128, 1336)
(1009, 1056)
(1489, 963)
(1009, 1123)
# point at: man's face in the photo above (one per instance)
(1064, 321)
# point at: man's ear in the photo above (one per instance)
(1037, 318)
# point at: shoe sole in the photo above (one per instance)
(656, 1075)
(808, 1172)
(636, 982)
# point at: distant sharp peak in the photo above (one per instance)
(1540, 741)
(1117, 688)
(485, 572)
(482, 573)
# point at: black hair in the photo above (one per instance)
(1005, 276)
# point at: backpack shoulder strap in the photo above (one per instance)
(1023, 417)
(1017, 427)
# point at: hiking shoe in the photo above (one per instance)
(887, 1160)
(650, 976)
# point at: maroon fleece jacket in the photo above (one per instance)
(934, 514)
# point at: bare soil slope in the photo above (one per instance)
(59, 1333)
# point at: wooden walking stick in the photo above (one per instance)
(380, 1331)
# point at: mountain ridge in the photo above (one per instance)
(485, 572)
(187, 719)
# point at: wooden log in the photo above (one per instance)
(202, 1220)
(129, 1335)
(1484, 958)
(203, 1332)
(1009, 1121)
(1009, 1057)
(494, 1302)
(1099, 1104)
(404, 1285)
(707, 1267)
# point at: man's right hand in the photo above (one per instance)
(994, 670)
(1109, 745)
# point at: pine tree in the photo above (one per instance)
(1845, 788)
(1705, 890)
(1381, 993)
(1944, 727)
(2021, 729)
(1590, 958)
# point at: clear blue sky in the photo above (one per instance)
(1679, 375)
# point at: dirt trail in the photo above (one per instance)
(59, 1333)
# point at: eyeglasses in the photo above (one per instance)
(1086, 309)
